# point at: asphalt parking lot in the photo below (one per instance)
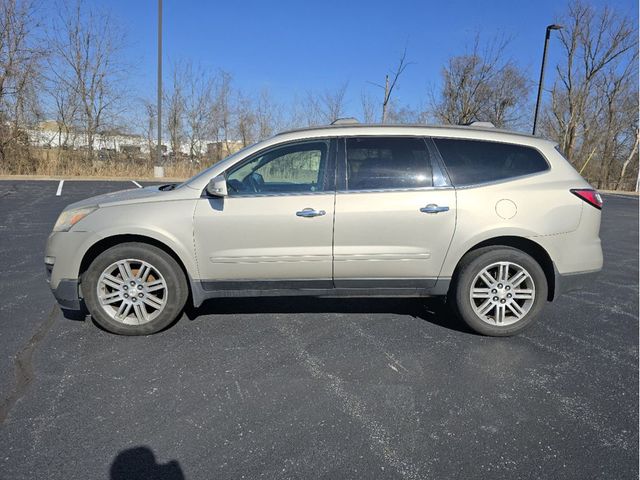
(313, 388)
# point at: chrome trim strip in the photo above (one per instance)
(290, 194)
(505, 180)
(271, 259)
(382, 190)
(381, 257)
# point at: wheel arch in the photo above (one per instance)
(527, 246)
(105, 243)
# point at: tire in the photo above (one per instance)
(497, 307)
(156, 289)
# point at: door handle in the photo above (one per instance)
(433, 208)
(310, 212)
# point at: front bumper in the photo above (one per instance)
(67, 294)
(63, 254)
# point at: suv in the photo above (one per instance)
(497, 222)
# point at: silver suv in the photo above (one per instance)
(497, 222)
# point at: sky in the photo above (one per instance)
(291, 47)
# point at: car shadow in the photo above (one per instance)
(432, 310)
(139, 463)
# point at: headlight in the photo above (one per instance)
(69, 218)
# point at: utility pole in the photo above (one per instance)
(390, 84)
(159, 147)
(386, 99)
(544, 61)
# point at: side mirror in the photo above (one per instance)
(217, 186)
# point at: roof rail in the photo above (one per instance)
(479, 124)
(345, 121)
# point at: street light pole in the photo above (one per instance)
(159, 147)
(544, 61)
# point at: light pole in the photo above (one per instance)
(159, 147)
(544, 61)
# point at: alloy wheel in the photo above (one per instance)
(132, 291)
(502, 293)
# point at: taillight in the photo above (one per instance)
(589, 195)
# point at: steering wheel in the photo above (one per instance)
(255, 181)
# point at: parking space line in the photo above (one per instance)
(136, 184)
(59, 191)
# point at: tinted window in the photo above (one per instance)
(473, 161)
(378, 163)
(291, 169)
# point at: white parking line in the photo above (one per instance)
(59, 191)
(136, 184)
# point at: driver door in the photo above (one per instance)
(275, 227)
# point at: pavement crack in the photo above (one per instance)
(24, 367)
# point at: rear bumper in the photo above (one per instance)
(573, 281)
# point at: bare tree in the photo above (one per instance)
(320, 108)
(332, 103)
(632, 156)
(305, 111)
(246, 120)
(389, 85)
(198, 99)
(482, 85)
(148, 124)
(405, 114)
(66, 108)
(175, 110)
(594, 108)
(19, 69)
(369, 108)
(268, 115)
(222, 112)
(86, 48)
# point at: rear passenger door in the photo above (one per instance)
(395, 213)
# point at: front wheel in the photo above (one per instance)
(134, 289)
(498, 291)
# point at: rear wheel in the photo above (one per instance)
(498, 291)
(134, 289)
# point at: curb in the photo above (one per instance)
(89, 179)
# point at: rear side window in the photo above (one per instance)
(471, 162)
(387, 163)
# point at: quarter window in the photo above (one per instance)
(387, 163)
(298, 168)
(471, 162)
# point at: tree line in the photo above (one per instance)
(70, 68)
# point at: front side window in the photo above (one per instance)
(298, 168)
(376, 163)
(470, 162)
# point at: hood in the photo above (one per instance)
(133, 195)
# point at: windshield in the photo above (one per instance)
(231, 158)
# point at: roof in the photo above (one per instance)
(472, 132)
(405, 127)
